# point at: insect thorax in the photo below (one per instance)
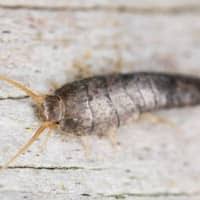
(53, 108)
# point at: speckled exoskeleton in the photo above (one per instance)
(97, 104)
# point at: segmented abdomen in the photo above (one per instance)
(102, 102)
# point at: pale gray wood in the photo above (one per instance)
(155, 161)
(43, 46)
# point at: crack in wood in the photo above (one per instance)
(179, 9)
(47, 167)
(54, 168)
(155, 195)
(14, 98)
(119, 196)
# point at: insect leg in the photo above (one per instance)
(82, 69)
(112, 136)
(157, 119)
(44, 144)
(86, 145)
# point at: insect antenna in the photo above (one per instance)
(37, 98)
(24, 148)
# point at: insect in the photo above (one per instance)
(97, 104)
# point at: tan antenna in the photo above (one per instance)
(38, 99)
(23, 149)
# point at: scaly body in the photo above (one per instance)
(94, 105)
(97, 104)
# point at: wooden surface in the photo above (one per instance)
(40, 46)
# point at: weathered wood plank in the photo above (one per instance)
(155, 161)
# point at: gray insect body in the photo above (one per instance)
(98, 104)
(94, 105)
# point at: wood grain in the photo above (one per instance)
(118, 5)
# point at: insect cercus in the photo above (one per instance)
(97, 104)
